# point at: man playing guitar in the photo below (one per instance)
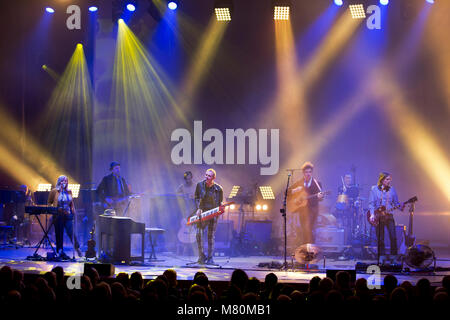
(309, 189)
(384, 196)
(113, 190)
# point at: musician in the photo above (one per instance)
(347, 195)
(187, 187)
(61, 197)
(308, 213)
(383, 194)
(208, 195)
(113, 189)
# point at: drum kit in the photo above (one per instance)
(349, 211)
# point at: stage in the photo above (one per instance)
(16, 259)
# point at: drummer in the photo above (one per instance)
(347, 188)
(347, 194)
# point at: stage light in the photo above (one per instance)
(384, 2)
(44, 187)
(265, 207)
(172, 5)
(232, 207)
(120, 21)
(234, 191)
(430, 1)
(267, 192)
(281, 13)
(75, 188)
(131, 6)
(258, 207)
(357, 11)
(222, 14)
(50, 10)
(93, 8)
(338, 2)
(223, 9)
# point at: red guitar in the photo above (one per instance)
(381, 213)
(208, 215)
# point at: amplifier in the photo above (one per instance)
(329, 236)
(258, 230)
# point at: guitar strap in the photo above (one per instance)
(317, 184)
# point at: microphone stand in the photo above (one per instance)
(283, 214)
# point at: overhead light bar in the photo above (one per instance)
(234, 191)
(357, 11)
(223, 9)
(75, 188)
(267, 192)
(44, 187)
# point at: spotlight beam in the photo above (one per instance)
(201, 61)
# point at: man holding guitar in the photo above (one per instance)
(208, 195)
(383, 200)
(304, 197)
(113, 190)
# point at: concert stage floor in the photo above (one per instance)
(16, 258)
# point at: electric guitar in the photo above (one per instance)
(114, 202)
(381, 213)
(410, 239)
(208, 215)
(298, 200)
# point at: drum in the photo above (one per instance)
(353, 192)
(342, 202)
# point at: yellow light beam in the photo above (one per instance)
(52, 73)
(335, 40)
(36, 158)
(69, 113)
(202, 60)
(437, 41)
(13, 165)
(413, 132)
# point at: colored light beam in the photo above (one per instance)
(336, 39)
(33, 162)
(69, 114)
(413, 132)
(142, 115)
(141, 93)
(439, 46)
(52, 73)
(290, 106)
(202, 60)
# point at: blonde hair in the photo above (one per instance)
(58, 182)
(212, 170)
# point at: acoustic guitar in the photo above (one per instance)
(298, 200)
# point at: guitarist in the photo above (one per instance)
(309, 212)
(113, 189)
(383, 194)
(208, 195)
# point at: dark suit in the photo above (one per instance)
(308, 214)
(206, 199)
(109, 188)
